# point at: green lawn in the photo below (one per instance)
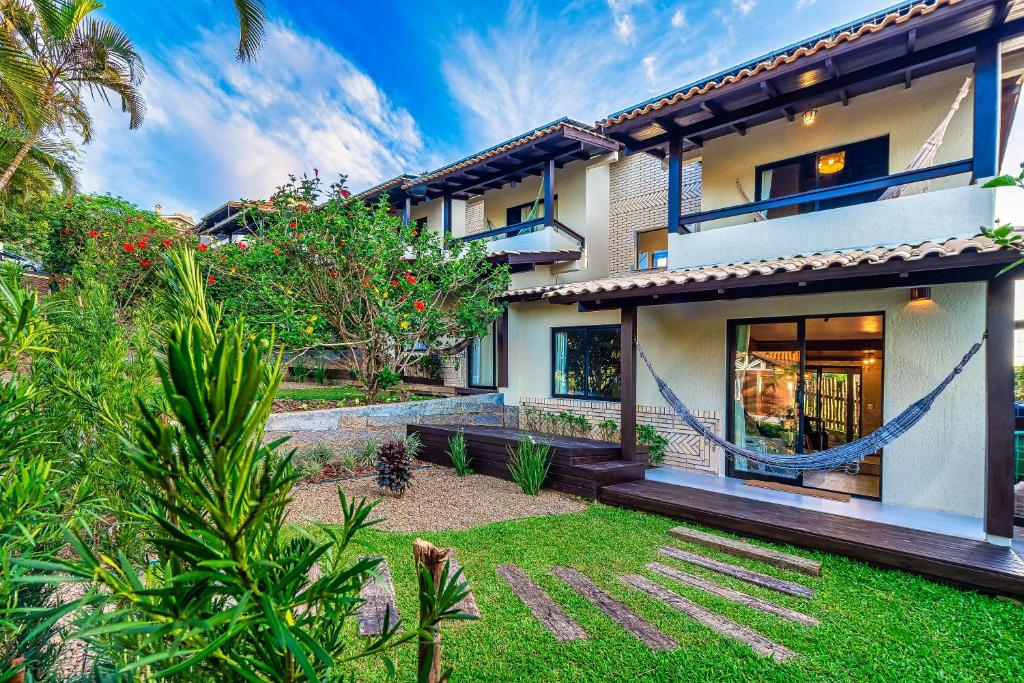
(348, 394)
(876, 624)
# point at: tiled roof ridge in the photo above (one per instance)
(942, 247)
(898, 15)
(387, 184)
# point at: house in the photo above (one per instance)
(181, 222)
(796, 243)
(227, 223)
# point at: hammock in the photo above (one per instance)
(845, 455)
(926, 155)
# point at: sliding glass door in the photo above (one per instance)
(801, 385)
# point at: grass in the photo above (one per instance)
(349, 394)
(876, 624)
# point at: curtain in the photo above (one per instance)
(561, 358)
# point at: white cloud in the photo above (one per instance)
(744, 7)
(625, 28)
(649, 62)
(800, 4)
(679, 18)
(220, 130)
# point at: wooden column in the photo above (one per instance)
(549, 191)
(987, 68)
(675, 179)
(501, 347)
(627, 392)
(446, 215)
(407, 211)
(999, 448)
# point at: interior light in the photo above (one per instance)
(831, 163)
(920, 293)
(809, 116)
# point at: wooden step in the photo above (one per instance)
(743, 549)
(741, 573)
(547, 611)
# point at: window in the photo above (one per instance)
(482, 355)
(585, 361)
(518, 214)
(822, 169)
(807, 384)
(652, 249)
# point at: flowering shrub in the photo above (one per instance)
(329, 270)
(110, 239)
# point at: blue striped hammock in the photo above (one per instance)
(847, 455)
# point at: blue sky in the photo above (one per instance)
(373, 89)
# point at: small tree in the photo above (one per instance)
(349, 274)
(1006, 235)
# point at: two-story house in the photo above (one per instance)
(796, 243)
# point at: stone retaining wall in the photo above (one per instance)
(345, 429)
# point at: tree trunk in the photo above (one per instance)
(434, 559)
(18, 158)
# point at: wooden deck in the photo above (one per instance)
(578, 466)
(974, 564)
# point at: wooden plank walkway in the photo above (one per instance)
(733, 595)
(622, 615)
(547, 611)
(741, 573)
(965, 562)
(468, 604)
(716, 622)
(743, 549)
(380, 597)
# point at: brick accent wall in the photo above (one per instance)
(638, 201)
(475, 221)
(686, 449)
(453, 370)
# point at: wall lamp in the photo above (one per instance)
(809, 116)
(920, 293)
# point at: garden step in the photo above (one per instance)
(547, 611)
(468, 604)
(740, 573)
(380, 604)
(749, 550)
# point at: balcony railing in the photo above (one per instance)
(870, 185)
(525, 227)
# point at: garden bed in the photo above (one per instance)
(438, 500)
(294, 397)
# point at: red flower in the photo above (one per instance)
(334, 273)
(141, 244)
(210, 280)
(145, 263)
(167, 243)
(304, 208)
(345, 193)
(88, 199)
(129, 247)
(316, 172)
(419, 305)
(68, 204)
(94, 233)
(242, 246)
(366, 282)
(276, 252)
(138, 219)
(394, 283)
(410, 279)
(203, 246)
(223, 259)
(293, 224)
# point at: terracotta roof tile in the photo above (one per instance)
(386, 185)
(942, 247)
(898, 16)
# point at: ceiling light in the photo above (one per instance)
(831, 163)
(809, 116)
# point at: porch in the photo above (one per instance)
(948, 548)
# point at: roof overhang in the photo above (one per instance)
(895, 46)
(523, 261)
(931, 263)
(560, 142)
(392, 187)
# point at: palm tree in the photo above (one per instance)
(251, 30)
(57, 46)
(49, 165)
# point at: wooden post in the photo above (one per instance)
(987, 89)
(434, 559)
(501, 348)
(407, 211)
(999, 450)
(549, 192)
(675, 179)
(627, 378)
(446, 215)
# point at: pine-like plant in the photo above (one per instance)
(528, 464)
(394, 467)
(459, 454)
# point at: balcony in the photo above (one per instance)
(541, 241)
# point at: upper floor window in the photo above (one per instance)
(823, 169)
(585, 362)
(652, 249)
(520, 213)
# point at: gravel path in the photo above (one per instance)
(438, 500)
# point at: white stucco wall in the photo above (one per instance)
(939, 465)
(432, 211)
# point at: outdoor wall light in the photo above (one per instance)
(831, 163)
(809, 116)
(920, 293)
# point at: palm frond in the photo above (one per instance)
(251, 28)
(22, 79)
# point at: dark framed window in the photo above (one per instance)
(585, 362)
(482, 361)
(825, 168)
(517, 214)
(652, 249)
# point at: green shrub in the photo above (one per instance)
(608, 429)
(311, 460)
(300, 371)
(367, 455)
(394, 467)
(413, 444)
(528, 464)
(656, 443)
(320, 373)
(458, 453)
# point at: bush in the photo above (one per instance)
(311, 460)
(608, 429)
(528, 464)
(300, 371)
(459, 455)
(394, 467)
(646, 435)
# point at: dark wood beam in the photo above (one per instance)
(675, 179)
(713, 108)
(987, 90)
(1003, 8)
(627, 382)
(789, 114)
(908, 78)
(911, 40)
(501, 339)
(549, 191)
(740, 128)
(769, 89)
(446, 216)
(407, 211)
(832, 68)
(999, 449)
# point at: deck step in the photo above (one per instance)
(547, 611)
(740, 573)
(743, 549)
